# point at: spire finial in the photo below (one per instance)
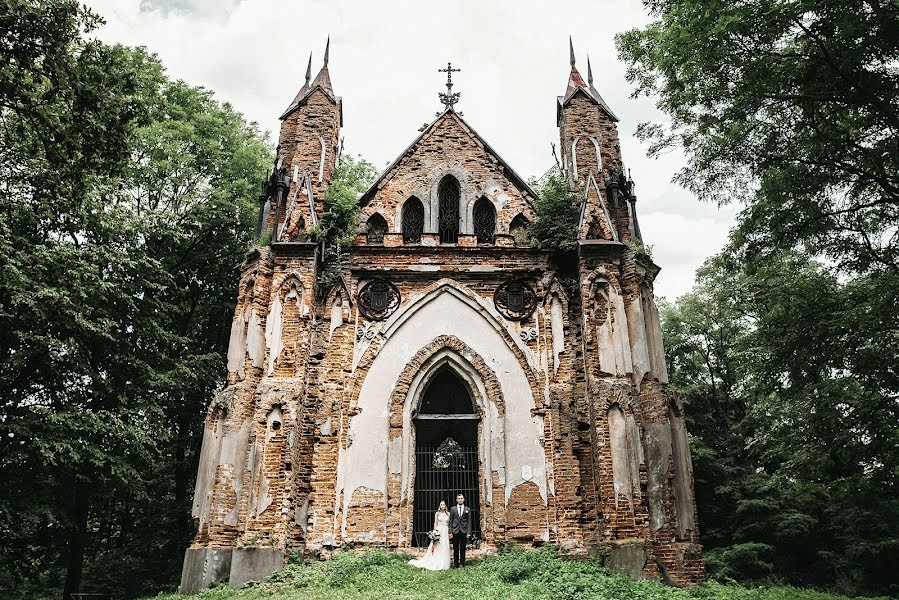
(571, 48)
(450, 98)
(589, 72)
(327, 49)
(309, 69)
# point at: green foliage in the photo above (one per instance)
(788, 364)
(788, 377)
(515, 573)
(340, 223)
(125, 202)
(558, 211)
(791, 106)
(638, 247)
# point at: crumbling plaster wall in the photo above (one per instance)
(363, 462)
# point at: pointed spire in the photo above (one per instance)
(574, 79)
(323, 78)
(576, 82)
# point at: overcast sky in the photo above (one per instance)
(384, 60)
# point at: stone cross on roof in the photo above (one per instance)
(449, 99)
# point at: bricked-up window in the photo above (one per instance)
(448, 194)
(376, 229)
(413, 220)
(484, 220)
(518, 228)
(680, 455)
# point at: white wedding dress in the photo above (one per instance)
(437, 556)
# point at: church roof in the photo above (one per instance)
(447, 114)
(576, 84)
(321, 82)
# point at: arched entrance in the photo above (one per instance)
(446, 452)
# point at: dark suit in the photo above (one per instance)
(460, 527)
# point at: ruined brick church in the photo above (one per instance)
(451, 354)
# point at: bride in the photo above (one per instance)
(437, 556)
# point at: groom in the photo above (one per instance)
(460, 527)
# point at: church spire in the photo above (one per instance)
(575, 80)
(308, 71)
(323, 78)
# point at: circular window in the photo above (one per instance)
(515, 300)
(378, 299)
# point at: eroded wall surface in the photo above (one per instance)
(581, 443)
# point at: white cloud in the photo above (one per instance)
(384, 61)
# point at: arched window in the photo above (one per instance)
(413, 220)
(448, 194)
(484, 220)
(518, 228)
(375, 229)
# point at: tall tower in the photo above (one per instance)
(253, 480)
(308, 151)
(591, 159)
(642, 499)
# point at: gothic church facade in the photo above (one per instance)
(450, 355)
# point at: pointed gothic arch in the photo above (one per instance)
(413, 220)
(518, 228)
(390, 377)
(449, 198)
(375, 229)
(484, 220)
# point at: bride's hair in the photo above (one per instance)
(442, 506)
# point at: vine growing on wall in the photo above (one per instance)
(557, 211)
(340, 222)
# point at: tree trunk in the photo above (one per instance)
(77, 541)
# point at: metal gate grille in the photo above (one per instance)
(440, 475)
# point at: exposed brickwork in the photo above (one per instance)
(581, 453)
(449, 147)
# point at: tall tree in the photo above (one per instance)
(796, 446)
(125, 204)
(789, 105)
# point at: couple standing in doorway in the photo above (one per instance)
(451, 527)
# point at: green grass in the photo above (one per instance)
(517, 573)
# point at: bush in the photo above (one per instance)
(558, 211)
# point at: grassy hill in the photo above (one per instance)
(383, 575)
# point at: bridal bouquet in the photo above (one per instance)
(434, 535)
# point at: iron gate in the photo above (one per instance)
(440, 475)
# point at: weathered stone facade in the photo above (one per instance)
(312, 444)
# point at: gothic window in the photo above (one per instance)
(378, 299)
(518, 228)
(515, 300)
(376, 228)
(413, 220)
(448, 195)
(484, 220)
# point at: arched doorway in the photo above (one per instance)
(446, 453)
